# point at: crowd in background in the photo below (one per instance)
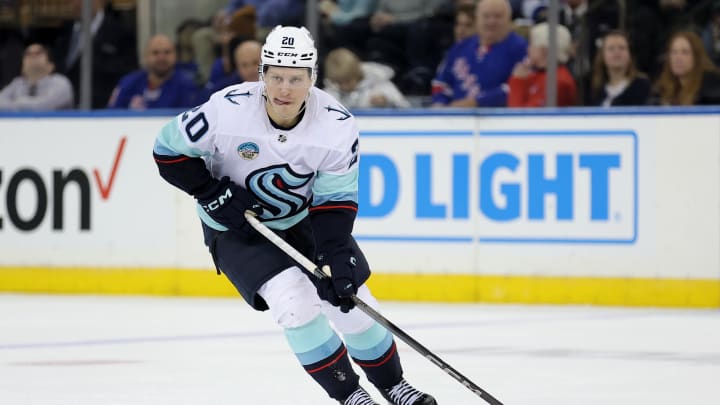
(386, 53)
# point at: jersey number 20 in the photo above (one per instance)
(197, 126)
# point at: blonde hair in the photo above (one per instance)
(342, 64)
(540, 36)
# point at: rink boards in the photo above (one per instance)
(567, 206)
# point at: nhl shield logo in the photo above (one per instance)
(248, 150)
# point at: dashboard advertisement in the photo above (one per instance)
(572, 194)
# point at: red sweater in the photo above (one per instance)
(530, 91)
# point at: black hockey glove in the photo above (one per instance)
(226, 203)
(340, 286)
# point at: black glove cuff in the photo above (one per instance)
(212, 189)
(332, 226)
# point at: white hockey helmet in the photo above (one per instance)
(289, 47)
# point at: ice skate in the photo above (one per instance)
(404, 394)
(359, 397)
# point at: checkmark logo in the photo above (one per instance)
(106, 189)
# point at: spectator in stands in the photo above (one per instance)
(38, 87)
(688, 76)
(527, 83)
(212, 44)
(651, 24)
(464, 26)
(206, 43)
(587, 24)
(246, 59)
(711, 34)
(113, 47)
(228, 23)
(475, 71)
(242, 27)
(616, 80)
(159, 84)
(360, 85)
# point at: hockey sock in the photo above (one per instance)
(375, 351)
(324, 357)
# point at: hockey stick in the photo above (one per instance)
(372, 313)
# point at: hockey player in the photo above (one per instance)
(288, 151)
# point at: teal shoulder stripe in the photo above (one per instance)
(326, 185)
(171, 138)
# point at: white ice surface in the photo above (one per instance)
(88, 350)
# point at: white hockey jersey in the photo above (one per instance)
(287, 170)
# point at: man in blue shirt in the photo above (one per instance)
(475, 70)
(246, 59)
(159, 85)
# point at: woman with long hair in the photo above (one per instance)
(616, 80)
(688, 76)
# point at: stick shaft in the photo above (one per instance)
(371, 312)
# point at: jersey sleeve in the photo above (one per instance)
(191, 133)
(335, 191)
(180, 146)
(337, 179)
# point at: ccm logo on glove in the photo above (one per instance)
(213, 205)
(226, 203)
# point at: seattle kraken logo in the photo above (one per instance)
(273, 187)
